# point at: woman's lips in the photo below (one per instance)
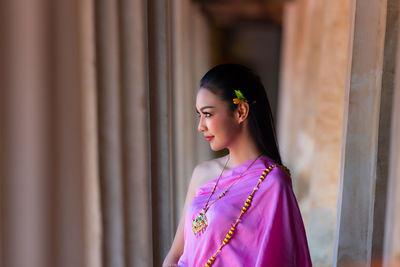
(209, 138)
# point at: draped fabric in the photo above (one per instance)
(270, 233)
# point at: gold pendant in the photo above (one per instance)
(199, 224)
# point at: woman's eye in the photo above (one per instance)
(205, 114)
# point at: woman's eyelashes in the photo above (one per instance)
(205, 114)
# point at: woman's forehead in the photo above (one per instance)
(205, 96)
(206, 99)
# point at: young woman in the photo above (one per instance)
(240, 209)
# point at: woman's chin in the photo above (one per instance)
(215, 147)
(215, 150)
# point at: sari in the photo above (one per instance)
(270, 233)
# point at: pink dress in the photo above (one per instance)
(270, 233)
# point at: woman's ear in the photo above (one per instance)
(242, 111)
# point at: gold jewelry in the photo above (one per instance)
(245, 207)
(200, 222)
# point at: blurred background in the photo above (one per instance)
(98, 131)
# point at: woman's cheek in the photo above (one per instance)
(212, 125)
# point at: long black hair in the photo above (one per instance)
(223, 80)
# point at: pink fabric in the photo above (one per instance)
(271, 232)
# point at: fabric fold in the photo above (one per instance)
(270, 233)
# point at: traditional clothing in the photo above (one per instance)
(270, 233)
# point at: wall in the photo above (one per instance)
(337, 126)
(313, 72)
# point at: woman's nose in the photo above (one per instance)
(201, 126)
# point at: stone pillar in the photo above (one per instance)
(67, 122)
(367, 127)
(201, 54)
(327, 87)
(160, 78)
(92, 207)
(128, 210)
(109, 114)
(190, 62)
(42, 171)
(392, 227)
(135, 133)
(25, 132)
(311, 92)
(147, 141)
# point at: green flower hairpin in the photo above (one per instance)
(239, 97)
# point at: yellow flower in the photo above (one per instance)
(237, 101)
(239, 97)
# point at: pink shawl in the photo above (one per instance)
(270, 233)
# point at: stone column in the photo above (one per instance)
(183, 95)
(135, 133)
(311, 92)
(160, 79)
(42, 140)
(92, 207)
(190, 61)
(367, 127)
(25, 134)
(326, 81)
(201, 54)
(109, 133)
(392, 226)
(129, 210)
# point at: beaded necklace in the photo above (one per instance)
(245, 207)
(200, 222)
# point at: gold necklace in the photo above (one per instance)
(200, 222)
(245, 207)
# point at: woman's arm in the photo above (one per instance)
(177, 245)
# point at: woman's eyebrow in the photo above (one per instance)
(206, 107)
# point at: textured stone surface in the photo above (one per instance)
(191, 57)
(367, 127)
(392, 227)
(310, 116)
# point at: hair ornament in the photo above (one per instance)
(239, 97)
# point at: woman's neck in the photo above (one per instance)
(244, 149)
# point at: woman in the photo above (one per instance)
(240, 209)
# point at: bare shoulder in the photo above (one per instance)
(207, 171)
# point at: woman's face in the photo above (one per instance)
(217, 123)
